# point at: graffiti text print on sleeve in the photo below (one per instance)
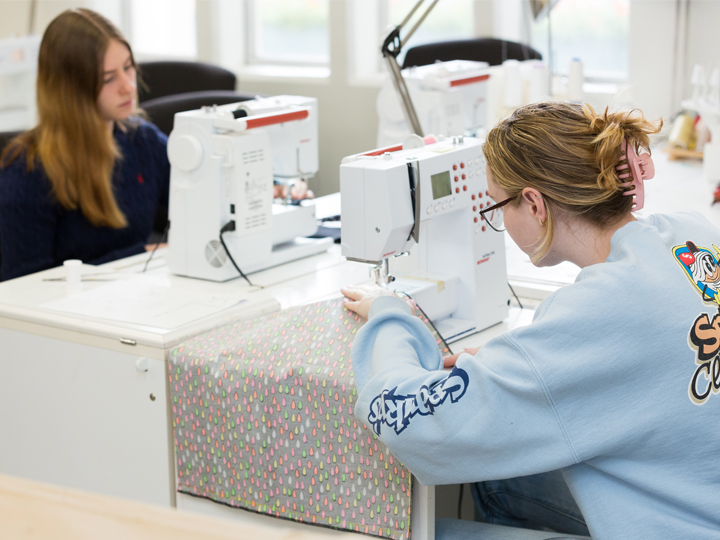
(396, 410)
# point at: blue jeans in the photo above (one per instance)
(538, 507)
(541, 502)
(455, 529)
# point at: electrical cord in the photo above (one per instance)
(516, 296)
(460, 501)
(428, 319)
(162, 238)
(229, 227)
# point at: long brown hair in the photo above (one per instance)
(568, 153)
(71, 140)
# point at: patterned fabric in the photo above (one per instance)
(263, 420)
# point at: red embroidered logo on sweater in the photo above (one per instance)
(140, 178)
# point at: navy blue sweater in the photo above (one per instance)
(37, 233)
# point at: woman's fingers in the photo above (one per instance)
(299, 190)
(356, 292)
(410, 302)
(353, 293)
(449, 361)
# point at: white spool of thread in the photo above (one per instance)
(73, 274)
(575, 80)
(698, 82)
(538, 82)
(513, 91)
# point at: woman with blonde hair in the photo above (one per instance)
(86, 181)
(615, 382)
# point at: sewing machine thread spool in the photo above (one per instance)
(73, 275)
(681, 133)
(576, 79)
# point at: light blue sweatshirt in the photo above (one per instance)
(615, 382)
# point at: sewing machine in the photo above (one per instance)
(424, 198)
(223, 162)
(449, 99)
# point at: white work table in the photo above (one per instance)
(84, 400)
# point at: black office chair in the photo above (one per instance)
(161, 111)
(165, 78)
(490, 50)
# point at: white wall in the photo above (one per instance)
(703, 43)
(347, 117)
(652, 56)
(15, 14)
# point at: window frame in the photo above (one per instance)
(252, 36)
(592, 77)
(362, 41)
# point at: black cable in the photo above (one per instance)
(460, 501)
(163, 237)
(516, 296)
(230, 226)
(431, 323)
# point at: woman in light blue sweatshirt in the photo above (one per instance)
(615, 383)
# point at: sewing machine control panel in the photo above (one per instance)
(461, 183)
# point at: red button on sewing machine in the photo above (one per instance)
(475, 219)
(473, 197)
(482, 206)
(487, 193)
(464, 188)
(457, 190)
(462, 165)
(483, 229)
(456, 178)
(474, 208)
(463, 177)
(454, 167)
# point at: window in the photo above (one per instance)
(163, 28)
(370, 21)
(288, 32)
(595, 31)
(447, 21)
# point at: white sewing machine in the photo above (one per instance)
(449, 99)
(223, 161)
(428, 195)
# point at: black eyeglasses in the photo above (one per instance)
(493, 215)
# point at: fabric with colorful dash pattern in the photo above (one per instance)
(262, 414)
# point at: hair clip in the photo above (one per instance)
(637, 169)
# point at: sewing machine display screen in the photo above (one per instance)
(441, 185)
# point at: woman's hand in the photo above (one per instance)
(298, 191)
(449, 361)
(151, 247)
(359, 298)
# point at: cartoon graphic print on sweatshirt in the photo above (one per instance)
(702, 269)
(395, 410)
